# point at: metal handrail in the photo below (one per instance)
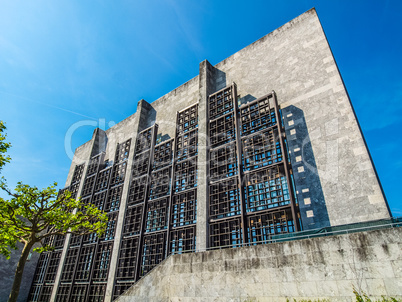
(321, 232)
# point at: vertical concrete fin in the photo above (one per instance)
(144, 111)
(140, 123)
(206, 87)
(80, 156)
(99, 141)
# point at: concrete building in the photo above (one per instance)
(262, 144)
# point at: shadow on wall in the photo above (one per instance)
(246, 99)
(151, 117)
(220, 83)
(100, 142)
(310, 196)
(220, 79)
(161, 138)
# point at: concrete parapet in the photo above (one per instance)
(316, 268)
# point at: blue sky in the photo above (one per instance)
(67, 62)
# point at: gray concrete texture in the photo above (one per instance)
(297, 63)
(334, 176)
(166, 107)
(138, 123)
(7, 271)
(335, 179)
(205, 89)
(316, 268)
(106, 142)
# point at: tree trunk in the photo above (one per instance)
(19, 271)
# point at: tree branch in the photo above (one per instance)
(4, 188)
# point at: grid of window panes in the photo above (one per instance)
(249, 197)
(224, 186)
(161, 206)
(46, 270)
(86, 265)
(137, 204)
(183, 207)
(262, 226)
(249, 186)
(268, 205)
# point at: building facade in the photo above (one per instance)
(262, 144)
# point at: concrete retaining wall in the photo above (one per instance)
(325, 267)
(334, 177)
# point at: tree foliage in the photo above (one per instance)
(31, 216)
(3, 146)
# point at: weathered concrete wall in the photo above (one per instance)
(325, 267)
(137, 124)
(296, 62)
(162, 111)
(105, 141)
(333, 171)
(118, 134)
(81, 155)
(334, 176)
(206, 87)
(7, 271)
(167, 106)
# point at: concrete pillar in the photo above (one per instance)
(143, 110)
(206, 87)
(97, 145)
(99, 142)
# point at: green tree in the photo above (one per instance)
(3, 146)
(31, 215)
